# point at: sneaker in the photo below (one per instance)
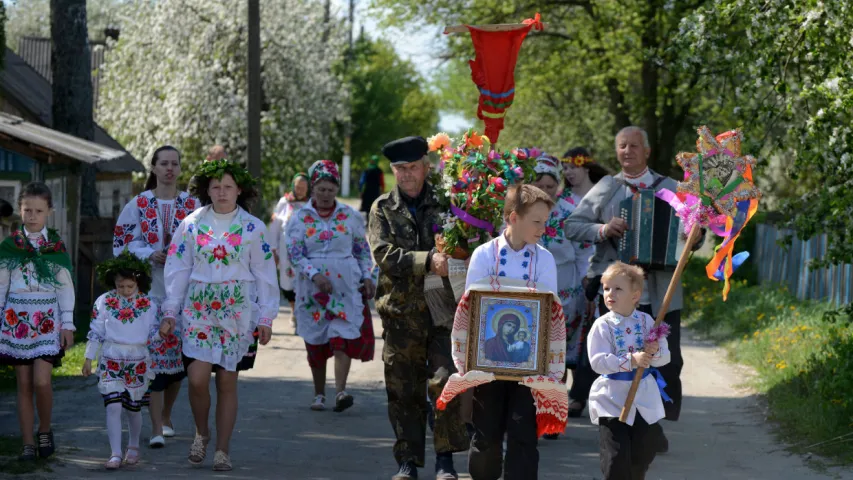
(407, 471)
(28, 454)
(168, 431)
(343, 401)
(444, 467)
(46, 445)
(157, 442)
(319, 403)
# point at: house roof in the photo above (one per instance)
(58, 142)
(26, 88)
(36, 52)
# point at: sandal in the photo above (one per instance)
(343, 401)
(198, 450)
(113, 463)
(131, 458)
(221, 462)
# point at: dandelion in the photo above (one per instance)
(781, 365)
(760, 316)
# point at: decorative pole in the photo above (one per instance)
(254, 162)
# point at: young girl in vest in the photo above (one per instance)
(37, 298)
(123, 321)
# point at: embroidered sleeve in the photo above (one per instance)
(360, 248)
(179, 268)
(65, 298)
(602, 352)
(128, 230)
(5, 281)
(262, 267)
(478, 267)
(297, 250)
(97, 329)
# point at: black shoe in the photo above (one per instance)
(551, 436)
(575, 412)
(28, 454)
(663, 445)
(444, 467)
(408, 471)
(46, 445)
(343, 402)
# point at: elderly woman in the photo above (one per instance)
(145, 227)
(329, 252)
(221, 283)
(284, 210)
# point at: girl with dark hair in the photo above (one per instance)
(221, 282)
(124, 323)
(37, 298)
(581, 172)
(145, 228)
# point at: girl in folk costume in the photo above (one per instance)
(619, 342)
(328, 249)
(37, 295)
(123, 321)
(581, 173)
(289, 204)
(221, 283)
(145, 228)
(521, 411)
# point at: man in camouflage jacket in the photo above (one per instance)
(416, 351)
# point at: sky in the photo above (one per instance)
(414, 44)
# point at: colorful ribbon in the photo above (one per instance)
(472, 220)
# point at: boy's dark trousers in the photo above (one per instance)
(504, 407)
(626, 451)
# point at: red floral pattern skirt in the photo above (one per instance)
(362, 348)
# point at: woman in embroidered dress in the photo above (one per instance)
(287, 206)
(123, 321)
(145, 227)
(221, 282)
(581, 173)
(328, 249)
(37, 295)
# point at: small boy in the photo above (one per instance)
(506, 408)
(618, 343)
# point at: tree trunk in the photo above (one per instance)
(72, 85)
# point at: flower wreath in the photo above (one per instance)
(125, 261)
(578, 160)
(217, 168)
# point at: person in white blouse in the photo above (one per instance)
(618, 343)
(327, 246)
(124, 319)
(37, 299)
(221, 283)
(289, 204)
(145, 228)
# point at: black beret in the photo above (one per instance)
(406, 150)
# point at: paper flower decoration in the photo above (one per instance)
(717, 193)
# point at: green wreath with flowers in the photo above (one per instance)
(217, 168)
(124, 262)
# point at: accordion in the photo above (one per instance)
(653, 240)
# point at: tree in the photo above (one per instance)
(31, 18)
(389, 99)
(788, 64)
(178, 76)
(598, 60)
(72, 86)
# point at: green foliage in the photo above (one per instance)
(803, 358)
(388, 97)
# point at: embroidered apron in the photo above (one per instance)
(30, 326)
(124, 368)
(166, 355)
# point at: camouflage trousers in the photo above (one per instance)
(413, 359)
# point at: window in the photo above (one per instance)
(9, 191)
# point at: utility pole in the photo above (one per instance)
(254, 164)
(347, 161)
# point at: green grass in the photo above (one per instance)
(803, 359)
(10, 448)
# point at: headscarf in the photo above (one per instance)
(374, 162)
(548, 164)
(323, 170)
(291, 195)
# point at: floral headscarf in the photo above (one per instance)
(324, 170)
(548, 164)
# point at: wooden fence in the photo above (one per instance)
(790, 267)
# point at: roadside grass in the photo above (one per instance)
(803, 359)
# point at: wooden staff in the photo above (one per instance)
(499, 27)
(670, 291)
